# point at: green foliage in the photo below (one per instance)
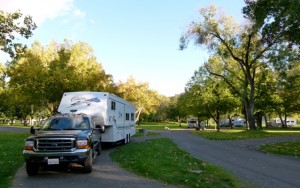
(276, 19)
(241, 58)
(11, 158)
(11, 24)
(159, 126)
(139, 94)
(162, 160)
(229, 134)
(284, 148)
(43, 74)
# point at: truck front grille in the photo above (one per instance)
(55, 144)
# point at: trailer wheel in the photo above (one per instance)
(99, 147)
(32, 168)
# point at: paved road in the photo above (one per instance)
(105, 174)
(14, 129)
(242, 159)
(239, 157)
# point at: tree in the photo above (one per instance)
(276, 19)
(237, 47)
(210, 95)
(10, 25)
(139, 94)
(43, 74)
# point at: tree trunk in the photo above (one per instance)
(266, 121)
(218, 120)
(249, 106)
(230, 122)
(258, 117)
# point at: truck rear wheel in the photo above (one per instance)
(32, 168)
(87, 165)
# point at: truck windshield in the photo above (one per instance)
(67, 123)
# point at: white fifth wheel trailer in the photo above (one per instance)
(115, 114)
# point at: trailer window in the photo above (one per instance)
(132, 116)
(113, 105)
(127, 116)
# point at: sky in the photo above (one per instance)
(138, 38)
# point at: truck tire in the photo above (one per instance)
(87, 165)
(32, 168)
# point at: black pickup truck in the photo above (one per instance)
(62, 141)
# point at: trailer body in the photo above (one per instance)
(114, 114)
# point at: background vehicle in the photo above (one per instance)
(236, 122)
(192, 122)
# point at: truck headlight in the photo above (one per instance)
(29, 145)
(82, 144)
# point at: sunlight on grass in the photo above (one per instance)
(11, 158)
(162, 160)
(230, 134)
(284, 148)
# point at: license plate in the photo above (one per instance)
(53, 161)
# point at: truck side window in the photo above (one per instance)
(113, 105)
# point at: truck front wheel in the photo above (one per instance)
(87, 165)
(32, 168)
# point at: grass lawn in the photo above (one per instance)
(238, 134)
(162, 160)
(160, 126)
(284, 148)
(11, 158)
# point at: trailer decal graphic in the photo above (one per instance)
(82, 100)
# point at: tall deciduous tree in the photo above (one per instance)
(278, 18)
(139, 94)
(232, 43)
(10, 25)
(212, 97)
(44, 73)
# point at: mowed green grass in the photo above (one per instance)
(11, 158)
(162, 160)
(284, 148)
(239, 134)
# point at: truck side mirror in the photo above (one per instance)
(32, 130)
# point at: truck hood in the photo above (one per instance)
(64, 133)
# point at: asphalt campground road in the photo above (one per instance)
(238, 157)
(242, 158)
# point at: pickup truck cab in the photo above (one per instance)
(62, 141)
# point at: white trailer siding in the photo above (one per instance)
(116, 114)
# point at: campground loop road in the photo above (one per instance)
(242, 158)
(239, 157)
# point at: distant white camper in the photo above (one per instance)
(192, 122)
(236, 122)
(290, 122)
(115, 114)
